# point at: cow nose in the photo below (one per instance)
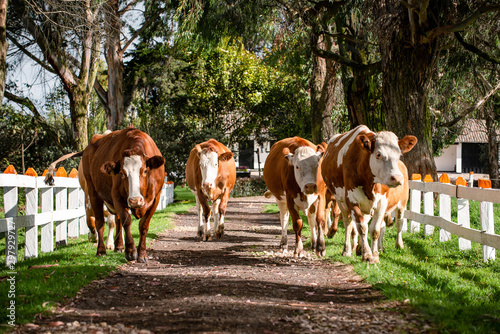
(396, 180)
(207, 185)
(136, 202)
(310, 188)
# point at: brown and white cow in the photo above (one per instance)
(356, 166)
(124, 170)
(290, 174)
(211, 175)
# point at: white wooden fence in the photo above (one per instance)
(60, 207)
(486, 236)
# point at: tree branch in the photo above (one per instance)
(347, 37)
(467, 111)
(26, 102)
(373, 67)
(474, 49)
(29, 54)
(461, 25)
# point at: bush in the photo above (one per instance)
(249, 186)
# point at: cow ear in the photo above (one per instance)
(225, 156)
(320, 150)
(407, 143)
(111, 168)
(366, 141)
(288, 155)
(155, 162)
(198, 148)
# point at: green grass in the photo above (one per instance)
(454, 289)
(38, 290)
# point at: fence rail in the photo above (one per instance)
(424, 192)
(59, 208)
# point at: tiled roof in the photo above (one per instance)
(474, 131)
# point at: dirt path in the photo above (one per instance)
(238, 284)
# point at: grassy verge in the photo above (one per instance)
(37, 289)
(454, 289)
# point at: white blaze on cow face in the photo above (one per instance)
(209, 166)
(384, 160)
(132, 168)
(305, 167)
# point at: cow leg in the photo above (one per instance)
(91, 225)
(317, 224)
(143, 230)
(99, 224)
(381, 237)
(111, 229)
(119, 235)
(216, 214)
(362, 226)
(334, 225)
(297, 226)
(204, 213)
(284, 217)
(222, 214)
(399, 224)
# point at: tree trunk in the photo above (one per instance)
(3, 46)
(407, 70)
(493, 155)
(323, 83)
(114, 59)
(79, 108)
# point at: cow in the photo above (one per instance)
(356, 167)
(290, 174)
(211, 175)
(397, 198)
(124, 170)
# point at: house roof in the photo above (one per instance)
(474, 131)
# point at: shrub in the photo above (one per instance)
(249, 186)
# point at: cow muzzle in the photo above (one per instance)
(395, 181)
(310, 188)
(135, 202)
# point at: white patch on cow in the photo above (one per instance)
(384, 159)
(339, 193)
(305, 205)
(305, 163)
(334, 137)
(132, 167)
(352, 136)
(209, 165)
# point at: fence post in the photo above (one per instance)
(463, 215)
(83, 220)
(73, 204)
(47, 230)
(61, 195)
(444, 209)
(415, 203)
(428, 206)
(10, 198)
(31, 235)
(487, 221)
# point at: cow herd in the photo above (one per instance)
(358, 175)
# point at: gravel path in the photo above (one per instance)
(237, 284)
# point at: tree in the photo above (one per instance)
(61, 33)
(411, 35)
(3, 46)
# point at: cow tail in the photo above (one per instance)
(49, 177)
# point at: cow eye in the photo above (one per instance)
(379, 156)
(145, 171)
(297, 167)
(122, 174)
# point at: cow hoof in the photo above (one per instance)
(119, 249)
(344, 253)
(200, 234)
(101, 253)
(374, 260)
(219, 234)
(321, 253)
(110, 247)
(142, 259)
(131, 257)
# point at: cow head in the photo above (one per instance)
(305, 161)
(385, 151)
(209, 166)
(134, 167)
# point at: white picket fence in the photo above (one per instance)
(62, 208)
(426, 190)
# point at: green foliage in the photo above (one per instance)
(249, 186)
